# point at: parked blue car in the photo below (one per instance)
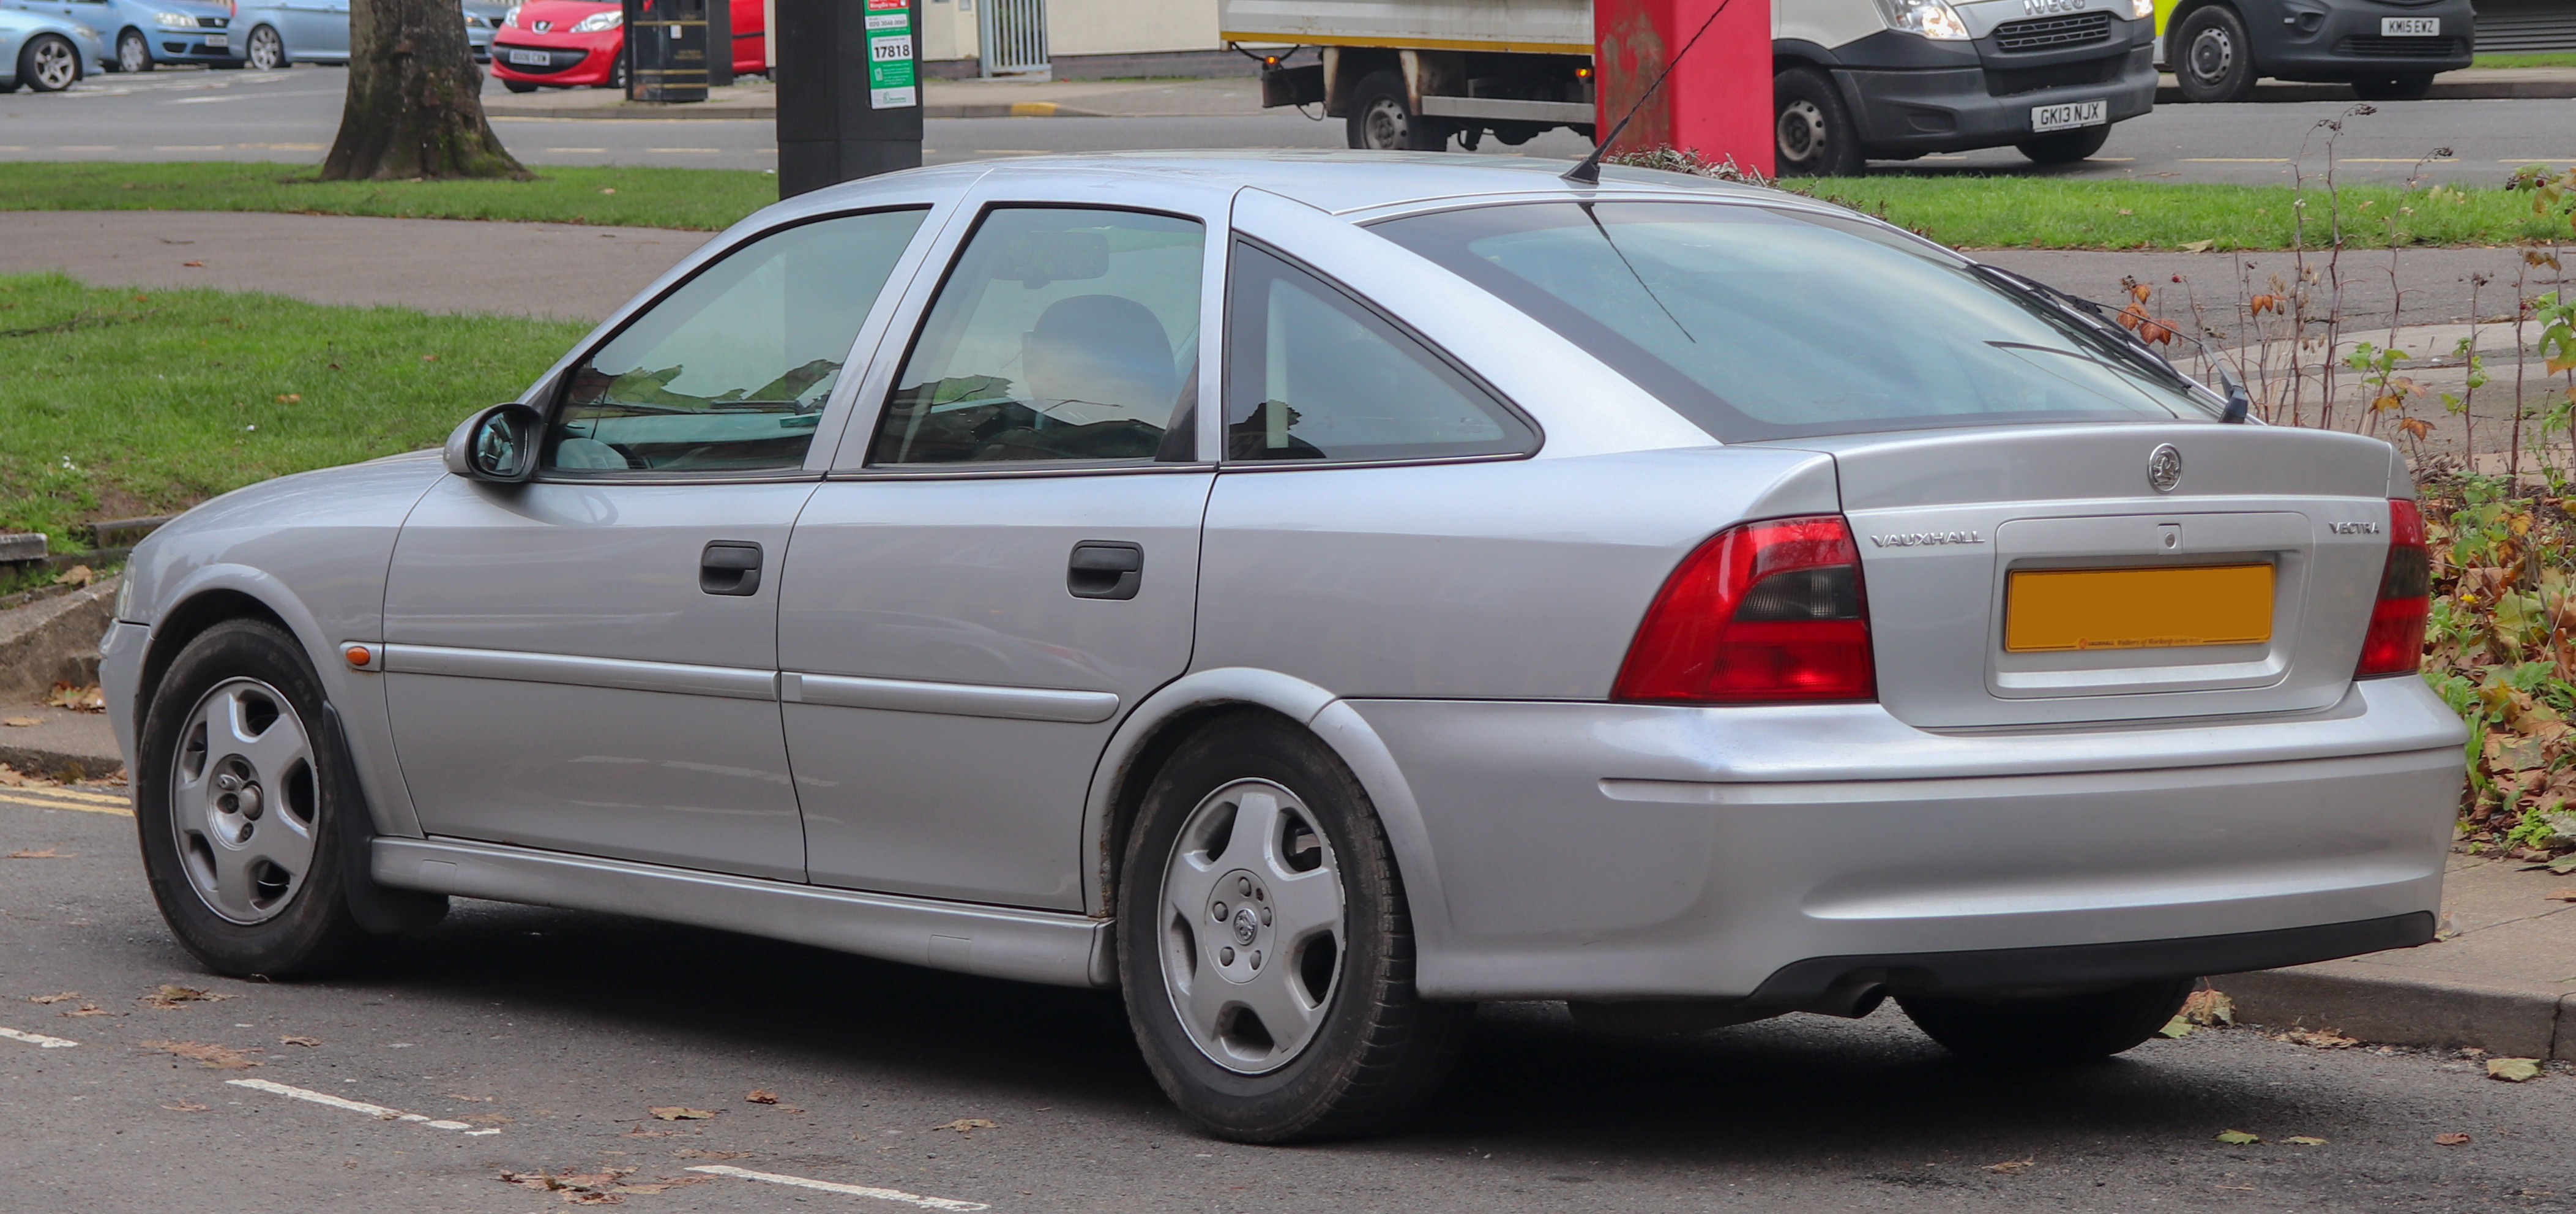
(275, 33)
(45, 52)
(138, 35)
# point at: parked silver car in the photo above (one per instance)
(1315, 593)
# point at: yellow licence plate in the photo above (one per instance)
(2061, 609)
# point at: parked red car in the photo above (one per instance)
(573, 43)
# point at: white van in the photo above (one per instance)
(1855, 80)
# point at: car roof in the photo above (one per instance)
(1341, 182)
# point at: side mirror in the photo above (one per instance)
(498, 444)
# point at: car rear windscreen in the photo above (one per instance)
(1764, 323)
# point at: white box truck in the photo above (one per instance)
(1854, 79)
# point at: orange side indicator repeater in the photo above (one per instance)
(359, 656)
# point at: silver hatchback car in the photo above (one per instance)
(1313, 594)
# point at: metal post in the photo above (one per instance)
(849, 97)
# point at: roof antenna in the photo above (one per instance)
(1588, 172)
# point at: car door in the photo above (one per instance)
(317, 29)
(1006, 560)
(588, 662)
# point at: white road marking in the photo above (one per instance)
(51, 1043)
(377, 1111)
(2236, 160)
(709, 151)
(825, 1186)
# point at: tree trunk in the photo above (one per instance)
(415, 102)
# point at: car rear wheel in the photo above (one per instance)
(237, 806)
(2065, 147)
(48, 64)
(1814, 132)
(2216, 62)
(2413, 86)
(1266, 951)
(133, 52)
(2048, 1030)
(267, 51)
(1382, 118)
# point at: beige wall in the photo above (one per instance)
(1112, 27)
(948, 29)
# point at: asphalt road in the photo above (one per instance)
(291, 115)
(537, 1041)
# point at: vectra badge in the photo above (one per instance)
(2164, 467)
(1914, 539)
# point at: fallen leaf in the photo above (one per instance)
(187, 1106)
(967, 1125)
(653, 1133)
(761, 1096)
(475, 1099)
(2451, 1140)
(172, 996)
(56, 997)
(2323, 1039)
(2196, 246)
(205, 1054)
(89, 1009)
(667, 1182)
(2176, 1027)
(2562, 895)
(77, 575)
(196, 265)
(78, 699)
(292, 1039)
(20, 722)
(2238, 1138)
(2209, 1008)
(694, 1153)
(11, 777)
(2513, 1070)
(673, 1112)
(2302, 1140)
(41, 853)
(2013, 1167)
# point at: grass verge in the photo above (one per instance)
(2529, 59)
(116, 402)
(2060, 213)
(702, 199)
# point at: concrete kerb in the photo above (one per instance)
(2424, 1008)
(2473, 84)
(44, 640)
(719, 111)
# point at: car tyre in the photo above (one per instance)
(48, 63)
(1812, 128)
(2412, 86)
(2059, 1030)
(1382, 119)
(265, 51)
(235, 739)
(1253, 814)
(2065, 147)
(518, 86)
(616, 73)
(2217, 59)
(133, 52)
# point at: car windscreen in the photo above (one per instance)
(1764, 322)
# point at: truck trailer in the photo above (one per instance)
(1853, 80)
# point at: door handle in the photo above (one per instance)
(729, 567)
(1105, 569)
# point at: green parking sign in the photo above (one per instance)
(890, 74)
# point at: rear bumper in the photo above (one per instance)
(1952, 109)
(1593, 851)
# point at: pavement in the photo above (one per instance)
(466, 1068)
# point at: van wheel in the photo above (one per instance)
(2065, 147)
(1265, 949)
(2048, 1031)
(2412, 86)
(2217, 59)
(1382, 119)
(1815, 134)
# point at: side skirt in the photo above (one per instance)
(996, 942)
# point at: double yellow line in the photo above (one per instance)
(82, 799)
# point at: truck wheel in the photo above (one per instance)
(1382, 119)
(2065, 147)
(1815, 132)
(2410, 87)
(2058, 1031)
(2217, 59)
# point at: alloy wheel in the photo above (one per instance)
(243, 801)
(266, 52)
(1253, 932)
(1802, 132)
(57, 66)
(131, 53)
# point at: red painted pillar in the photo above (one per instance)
(1717, 102)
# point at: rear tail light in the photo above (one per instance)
(2395, 642)
(1761, 613)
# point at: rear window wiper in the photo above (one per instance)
(2097, 319)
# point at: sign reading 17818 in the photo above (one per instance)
(890, 71)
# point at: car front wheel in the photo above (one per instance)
(2057, 1030)
(1266, 952)
(237, 808)
(2216, 62)
(267, 51)
(133, 53)
(48, 64)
